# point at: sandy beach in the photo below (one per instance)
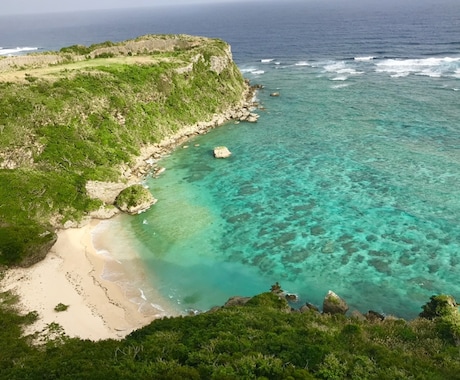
(72, 274)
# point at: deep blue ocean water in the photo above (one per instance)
(350, 180)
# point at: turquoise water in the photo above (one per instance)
(350, 181)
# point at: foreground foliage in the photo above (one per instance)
(81, 120)
(260, 340)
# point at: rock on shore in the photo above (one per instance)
(333, 304)
(135, 199)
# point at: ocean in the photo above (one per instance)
(350, 180)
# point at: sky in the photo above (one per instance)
(46, 6)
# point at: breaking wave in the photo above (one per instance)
(432, 67)
(17, 50)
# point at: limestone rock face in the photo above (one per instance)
(220, 63)
(134, 200)
(106, 212)
(333, 304)
(107, 192)
(221, 152)
(252, 118)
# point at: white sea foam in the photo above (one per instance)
(430, 73)
(142, 294)
(252, 70)
(400, 75)
(16, 51)
(156, 306)
(333, 67)
(340, 78)
(342, 69)
(338, 86)
(363, 59)
(432, 67)
(302, 63)
(268, 60)
(103, 252)
(247, 69)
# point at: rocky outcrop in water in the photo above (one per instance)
(221, 152)
(333, 304)
(135, 199)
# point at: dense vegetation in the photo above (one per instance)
(260, 340)
(80, 120)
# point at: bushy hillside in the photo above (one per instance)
(91, 111)
(261, 340)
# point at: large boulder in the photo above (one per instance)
(333, 304)
(252, 118)
(374, 316)
(134, 199)
(107, 192)
(308, 307)
(221, 152)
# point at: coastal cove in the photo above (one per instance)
(270, 190)
(359, 151)
(73, 274)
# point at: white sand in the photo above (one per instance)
(72, 274)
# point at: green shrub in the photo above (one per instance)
(255, 342)
(439, 306)
(269, 300)
(132, 196)
(105, 55)
(76, 49)
(60, 307)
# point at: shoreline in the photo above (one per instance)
(72, 274)
(89, 281)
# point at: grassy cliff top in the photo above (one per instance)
(83, 113)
